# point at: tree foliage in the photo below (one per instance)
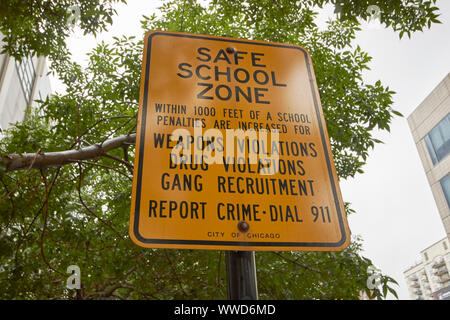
(404, 16)
(41, 27)
(78, 213)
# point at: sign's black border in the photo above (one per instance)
(230, 243)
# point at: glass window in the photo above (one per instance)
(25, 69)
(438, 140)
(431, 150)
(445, 184)
(445, 245)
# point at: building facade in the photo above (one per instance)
(430, 127)
(430, 278)
(21, 83)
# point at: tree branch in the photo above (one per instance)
(14, 162)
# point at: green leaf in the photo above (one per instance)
(397, 113)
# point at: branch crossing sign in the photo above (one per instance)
(232, 151)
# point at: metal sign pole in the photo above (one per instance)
(241, 266)
(241, 275)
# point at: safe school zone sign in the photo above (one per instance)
(232, 151)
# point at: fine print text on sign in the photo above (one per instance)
(232, 151)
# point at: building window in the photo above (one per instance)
(445, 245)
(445, 184)
(438, 140)
(25, 69)
(426, 256)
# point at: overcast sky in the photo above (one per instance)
(396, 213)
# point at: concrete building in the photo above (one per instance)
(430, 278)
(21, 83)
(430, 127)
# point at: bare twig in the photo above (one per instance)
(174, 271)
(297, 263)
(118, 128)
(89, 210)
(38, 212)
(102, 120)
(127, 164)
(12, 205)
(218, 269)
(41, 241)
(102, 292)
(104, 166)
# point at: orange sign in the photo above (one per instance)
(232, 151)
